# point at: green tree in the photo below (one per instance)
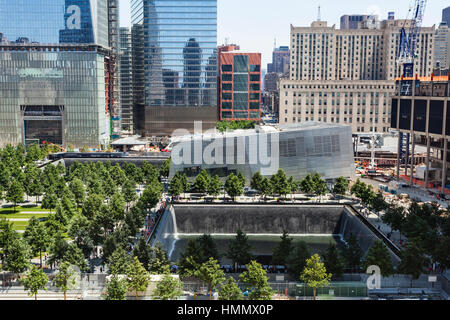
(190, 259)
(240, 250)
(137, 277)
(34, 281)
(215, 186)
(266, 188)
(211, 274)
(230, 291)
(241, 179)
(75, 256)
(118, 262)
(296, 261)
(280, 183)
(256, 282)
(7, 236)
(49, 200)
(341, 186)
(378, 203)
(18, 256)
(116, 289)
(69, 205)
(378, 255)
(109, 186)
(151, 195)
(150, 172)
(333, 261)
(282, 251)
(201, 182)
(129, 192)
(256, 182)
(307, 185)
(92, 205)
(65, 279)
(233, 186)
(353, 253)
(413, 260)
(185, 182)
(358, 188)
(394, 217)
(37, 237)
(207, 248)
(117, 206)
(169, 288)
(176, 185)
(159, 261)
(58, 249)
(95, 187)
(320, 186)
(15, 193)
(77, 188)
(118, 175)
(315, 274)
(165, 169)
(143, 252)
(293, 185)
(34, 153)
(79, 231)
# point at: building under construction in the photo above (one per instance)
(421, 114)
(59, 72)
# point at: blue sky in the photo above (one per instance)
(255, 24)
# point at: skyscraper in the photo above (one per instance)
(280, 61)
(126, 80)
(59, 82)
(347, 76)
(442, 47)
(354, 21)
(177, 43)
(446, 15)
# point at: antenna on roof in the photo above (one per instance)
(275, 43)
(319, 17)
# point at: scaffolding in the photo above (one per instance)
(114, 97)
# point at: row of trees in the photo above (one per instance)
(425, 226)
(279, 184)
(96, 204)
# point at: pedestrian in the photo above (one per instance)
(101, 269)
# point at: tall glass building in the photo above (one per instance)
(177, 43)
(56, 71)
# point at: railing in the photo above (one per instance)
(377, 232)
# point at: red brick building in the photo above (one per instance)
(239, 84)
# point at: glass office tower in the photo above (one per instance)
(178, 42)
(56, 72)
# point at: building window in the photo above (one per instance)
(255, 68)
(227, 68)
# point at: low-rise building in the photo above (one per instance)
(298, 149)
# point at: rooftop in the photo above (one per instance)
(130, 141)
(305, 126)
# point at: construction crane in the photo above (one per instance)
(406, 57)
(408, 41)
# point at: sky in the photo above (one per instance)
(255, 24)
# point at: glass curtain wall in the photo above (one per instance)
(54, 21)
(180, 51)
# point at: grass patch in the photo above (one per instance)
(24, 215)
(27, 208)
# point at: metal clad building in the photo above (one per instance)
(299, 149)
